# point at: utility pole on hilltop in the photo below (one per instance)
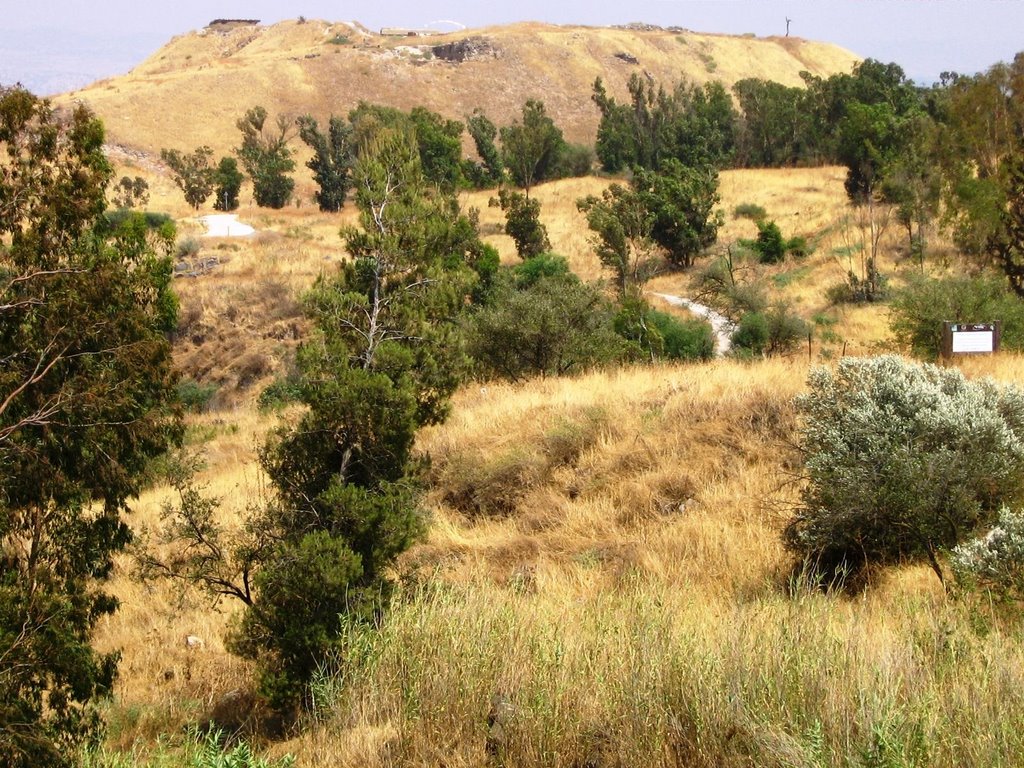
(788, 20)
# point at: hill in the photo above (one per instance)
(191, 91)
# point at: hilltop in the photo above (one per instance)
(192, 90)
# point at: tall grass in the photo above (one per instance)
(656, 674)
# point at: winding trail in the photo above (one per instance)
(720, 324)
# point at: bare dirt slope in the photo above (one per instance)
(192, 90)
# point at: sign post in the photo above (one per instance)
(969, 338)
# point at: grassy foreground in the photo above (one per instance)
(604, 580)
(603, 573)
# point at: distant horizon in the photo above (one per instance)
(56, 46)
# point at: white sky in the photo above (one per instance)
(52, 45)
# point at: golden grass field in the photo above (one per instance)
(603, 551)
(294, 68)
(603, 554)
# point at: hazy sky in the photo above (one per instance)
(55, 45)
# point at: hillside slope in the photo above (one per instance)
(193, 90)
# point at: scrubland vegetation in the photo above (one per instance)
(456, 488)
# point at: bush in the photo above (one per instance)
(556, 325)
(799, 247)
(153, 219)
(280, 392)
(751, 334)
(684, 339)
(188, 248)
(902, 461)
(194, 396)
(919, 310)
(994, 562)
(661, 335)
(213, 749)
(574, 160)
(870, 287)
(750, 211)
(540, 266)
(770, 333)
(770, 245)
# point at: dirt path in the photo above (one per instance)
(720, 324)
(225, 225)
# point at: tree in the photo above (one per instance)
(903, 462)
(543, 325)
(440, 145)
(774, 127)
(919, 309)
(1005, 244)
(522, 223)
(695, 125)
(192, 173)
(622, 226)
(437, 140)
(483, 131)
(267, 158)
(129, 192)
(616, 144)
(333, 155)
(681, 200)
(530, 149)
(86, 394)
(228, 180)
(383, 361)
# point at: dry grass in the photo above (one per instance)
(603, 551)
(292, 68)
(623, 629)
(630, 604)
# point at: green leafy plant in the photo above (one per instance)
(994, 562)
(775, 331)
(522, 222)
(88, 402)
(750, 211)
(903, 461)
(919, 310)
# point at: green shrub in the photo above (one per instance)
(194, 396)
(749, 211)
(770, 245)
(683, 339)
(799, 247)
(115, 218)
(660, 335)
(280, 392)
(188, 248)
(870, 287)
(903, 461)
(919, 310)
(574, 160)
(995, 561)
(769, 333)
(751, 335)
(538, 267)
(339, 40)
(554, 326)
(209, 750)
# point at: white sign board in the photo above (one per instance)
(973, 341)
(970, 338)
